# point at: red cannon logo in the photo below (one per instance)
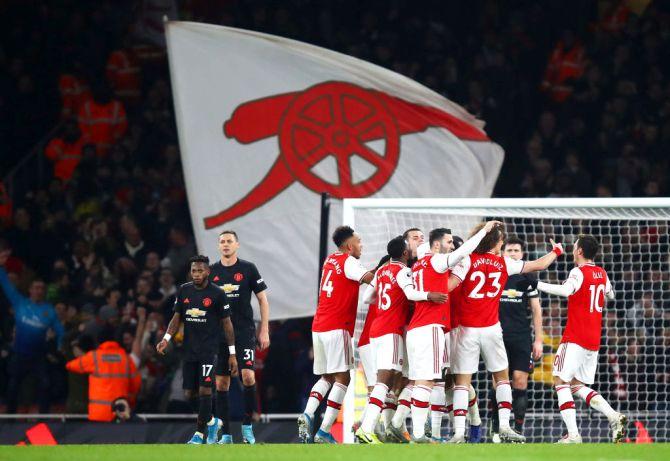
(331, 119)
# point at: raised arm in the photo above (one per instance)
(13, 295)
(370, 293)
(569, 287)
(470, 244)
(545, 261)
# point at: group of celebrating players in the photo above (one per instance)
(434, 311)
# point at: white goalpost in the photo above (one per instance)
(634, 360)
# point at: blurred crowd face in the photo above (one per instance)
(37, 291)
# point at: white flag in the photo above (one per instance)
(266, 124)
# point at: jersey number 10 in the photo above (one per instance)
(596, 292)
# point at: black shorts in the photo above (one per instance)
(199, 373)
(519, 353)
(245, 349)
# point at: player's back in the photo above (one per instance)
(338, 296)
(483, 277)
(585, 306)
(426, 278)
(392, 304)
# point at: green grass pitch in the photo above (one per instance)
(486, 452)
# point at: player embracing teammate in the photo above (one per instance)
(482, 276)
(576, 360)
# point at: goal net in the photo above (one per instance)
(634, 359)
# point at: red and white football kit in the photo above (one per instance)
(365, 352)
(393, 290)
(577, 356)
(335, 317)
(483, 277)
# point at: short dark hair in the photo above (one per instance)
(198, 259)
(231, 232)
(384, 260)
(341, 235)
(437, 234)
(490, 240)
(589, 245)
(411, 229)
(458, 241)
(514, 240)
(396, 247)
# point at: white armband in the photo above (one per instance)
(231, 350)
(167, 337)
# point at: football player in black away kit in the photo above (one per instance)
(521, 349)
(203, 307)
(239, 278)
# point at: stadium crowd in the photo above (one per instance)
(582, 108)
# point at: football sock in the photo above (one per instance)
(249, 403)
(494, 410)
(460, 409)
(404, 403)
(504, 398)
(437, 409)
(519, 406)
(204, 412)
(566, 405)
(390, 406)
(449, 403)
(318, 392)
(473, 408)
(334, 403)
(594, 400)
(420, 399)
(374, 407)
(222, 411)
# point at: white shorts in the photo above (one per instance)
(425, 352)
(446, 362)
(333, 351)
(389, 352)
(573, 361)
(471, 342)
(367, 357)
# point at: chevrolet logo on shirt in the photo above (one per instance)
(229, 287)
(195, 312)
(512, 293)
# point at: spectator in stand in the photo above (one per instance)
(112, 373)
(565, 65)
(33, 319)
(180, 251)
(134, 246)
(65, 151)
(102, 120)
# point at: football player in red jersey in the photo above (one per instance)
(365, 352)
(577, 357)
(332, 329)
(482, 275)
(425, 332)
(402, 386)
(393, 289)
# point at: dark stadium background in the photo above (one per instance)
(608, 137)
